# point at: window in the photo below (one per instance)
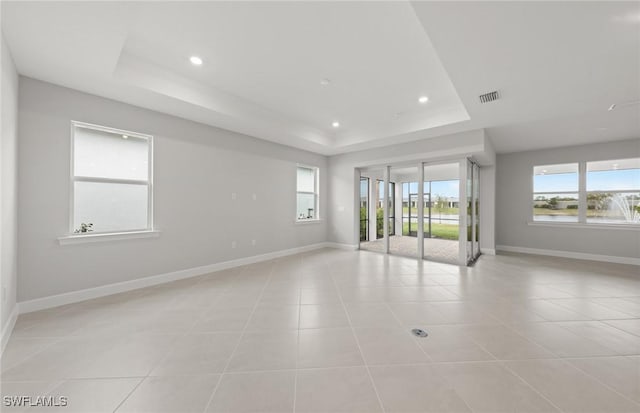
(111, 174)
(307, 193)
(555, 193)
(599, 192)
(613, 191)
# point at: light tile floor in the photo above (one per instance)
(329, 331)
(435, 249)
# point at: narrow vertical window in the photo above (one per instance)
(111, 180)
(307, 194)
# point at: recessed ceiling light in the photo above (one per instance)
(423, 99)
(125, 137)
(195, 60)
(336, 124)
(325, 82)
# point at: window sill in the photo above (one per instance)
(112, 236)
(308, 221)
(623, 227)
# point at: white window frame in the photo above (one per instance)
(579, 192)
(582, 201)
(316, 193)
(73, 179)
(600, 191)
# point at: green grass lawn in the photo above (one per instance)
(434, 211)
(444, 231)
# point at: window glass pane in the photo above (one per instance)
(555, 178)
(306, 206)
(555, 207)
(306, 179)
(106, 155)
(110, 207)
(618, 175)
(613, 208)
(364, 192)
(364, 209)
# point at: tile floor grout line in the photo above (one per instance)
(618, 328)
(246, 325)
(600, 381)
(129, 394)
(143, 379)
(579, 336)
(535, 390)
(431, 361)
(295, 379)
(415, 339)
(364, 360)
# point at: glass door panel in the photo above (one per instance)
(476, 211)
(372, 210)
(441, 212)
(403, 211)
(364, 208)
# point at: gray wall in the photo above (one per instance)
(8, 185)
(513, 203)
(196, 168)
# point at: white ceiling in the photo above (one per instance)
(558, 66)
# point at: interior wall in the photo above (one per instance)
(487, 209)
(514, 184)
(196, 170)
(8, 189)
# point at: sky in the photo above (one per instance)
(627, 179)
(449, 189)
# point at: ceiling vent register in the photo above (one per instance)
(489, 97)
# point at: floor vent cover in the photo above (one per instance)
(419, 333)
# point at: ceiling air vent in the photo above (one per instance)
(489, 97)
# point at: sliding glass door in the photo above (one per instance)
(430, 210)
(472, 206)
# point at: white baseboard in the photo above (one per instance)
(8, 328)
(570, 254)
(338, 245)
(488, 251)
(109, 289)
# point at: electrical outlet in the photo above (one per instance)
(254, 197)
(253, 242)
(234, 196)
(234, 244)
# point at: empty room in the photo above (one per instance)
(320, 206)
